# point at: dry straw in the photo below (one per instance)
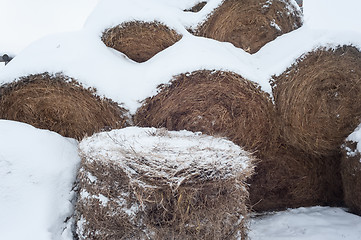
(184, 186)
(290, 178)
(140, 41)
(215, 103)
(318, 99)
(60, 104)
(351, 176)
(250, 24)
(196, 8)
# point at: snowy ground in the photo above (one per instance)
(37, 167)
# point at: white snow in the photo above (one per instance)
(355, 137)
(37, 171)
(314, 223)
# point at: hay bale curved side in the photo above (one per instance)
(290, 178)
(140, 41)
(250, 24)
(150, 183)
(351, 171)
(59, 104)
(318, 99)
(215, 103)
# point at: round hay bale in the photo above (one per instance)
(215, 103)
(291, 178)
(318, 99)
(140, 41)
(59, 104)
(196, 8)
(149, 183)
(250, 24)
(351, 175)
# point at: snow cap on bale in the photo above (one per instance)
(196, 8)
(318, 99)
(147, 183)
(139, 40)
(351, 171)
(60, 104)
(250, 24)
(215, 103)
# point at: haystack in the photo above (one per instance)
(250, 24)
(60, 104)
(215, 103)
(196, 8)
(149, 183)
(351, 176)
(290, 178)
(318, 99)
(140, 41)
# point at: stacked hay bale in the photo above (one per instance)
(149, 183)
(140, 41)
(215, 103)
(225, 104)
(351, 171)
(318, 100)
(250, 24)
(60, 104)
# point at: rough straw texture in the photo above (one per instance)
(290, 178)
(318, 99)
(215, 103)
(140, 41)
(153, 184)
(351, 176)
(250, 24)
(59, 104)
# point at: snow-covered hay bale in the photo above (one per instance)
(250, 24)
(147, 183)
(351, 171)
(59, 104)
(140, 41)
(318, 99)
(291, 178)
(215, 103)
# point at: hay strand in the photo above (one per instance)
(140, 41)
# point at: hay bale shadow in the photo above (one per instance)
(318, 99)
(351, 176)
(250, 24)
(59, 104)
(153, 184)
(139, 40)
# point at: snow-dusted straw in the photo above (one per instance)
(150, 183)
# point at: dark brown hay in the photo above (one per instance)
(59, 104)
(318, 99)
(351, 177)
(247, 24)
(215, 103)
(292, 178)
(140, 41)
(197, 7)
(143, 204)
